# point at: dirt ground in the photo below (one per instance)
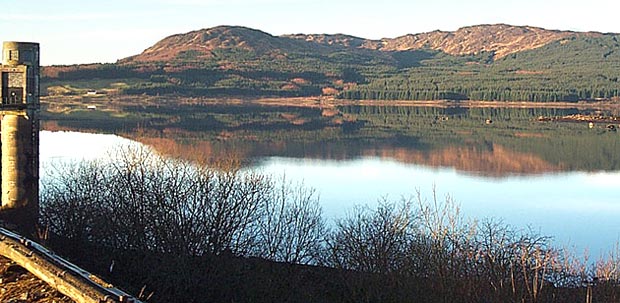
(19, 286)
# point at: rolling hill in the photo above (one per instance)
(500, 39)
(202, 44)
(485, 62)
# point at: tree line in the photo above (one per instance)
(579, 68)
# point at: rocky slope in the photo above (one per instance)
(500, 39)
(337, 39)
(201, 44)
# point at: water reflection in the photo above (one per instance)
(517, 142)
(558, 178)
(577, 208)
(573, 207)
(490, 160)
(493, 161)
(76, 146)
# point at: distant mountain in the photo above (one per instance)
(201, 44)
(500, 39)
(496, 62)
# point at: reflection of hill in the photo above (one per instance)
(496, 161)
(200, 151)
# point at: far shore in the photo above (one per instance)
(328, 102)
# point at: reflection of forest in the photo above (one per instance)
(495, 161)
(493, 141)
(515, 142)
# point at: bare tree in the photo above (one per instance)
(418, 248)
(371, 241)
(71, 198)
(144, 201)
(291, 228)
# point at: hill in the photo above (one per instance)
(204, 44)
(486, 62)
(500, 39)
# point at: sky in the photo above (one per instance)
(95, 31)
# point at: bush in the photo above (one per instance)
(145, 202)
(167, 220)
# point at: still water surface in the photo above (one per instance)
(579, 209)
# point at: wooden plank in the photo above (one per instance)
(70, 280)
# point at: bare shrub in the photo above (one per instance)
(71, 200)
(515, 264)
(373, 241)
(419, 249)
(434, 246)
(291, 228)
(142, 201)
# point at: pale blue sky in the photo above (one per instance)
(85, 31)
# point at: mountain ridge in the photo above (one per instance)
(493, 62)
(499, 39)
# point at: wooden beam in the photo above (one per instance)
(70, 280)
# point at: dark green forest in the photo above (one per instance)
(580, 68)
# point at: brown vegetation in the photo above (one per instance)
(18, 285)
(202, 43)
(329, 91)
(299, 81)
(498, 39)
(290, 87)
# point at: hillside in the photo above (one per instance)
(500, 39)
(203, 44)
(486, 62)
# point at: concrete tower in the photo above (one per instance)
(19, 109)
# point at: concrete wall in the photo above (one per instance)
(19, 138)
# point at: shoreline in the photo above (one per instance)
(328, 102)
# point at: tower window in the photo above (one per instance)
(13, 55)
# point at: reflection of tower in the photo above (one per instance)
(19, 107)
